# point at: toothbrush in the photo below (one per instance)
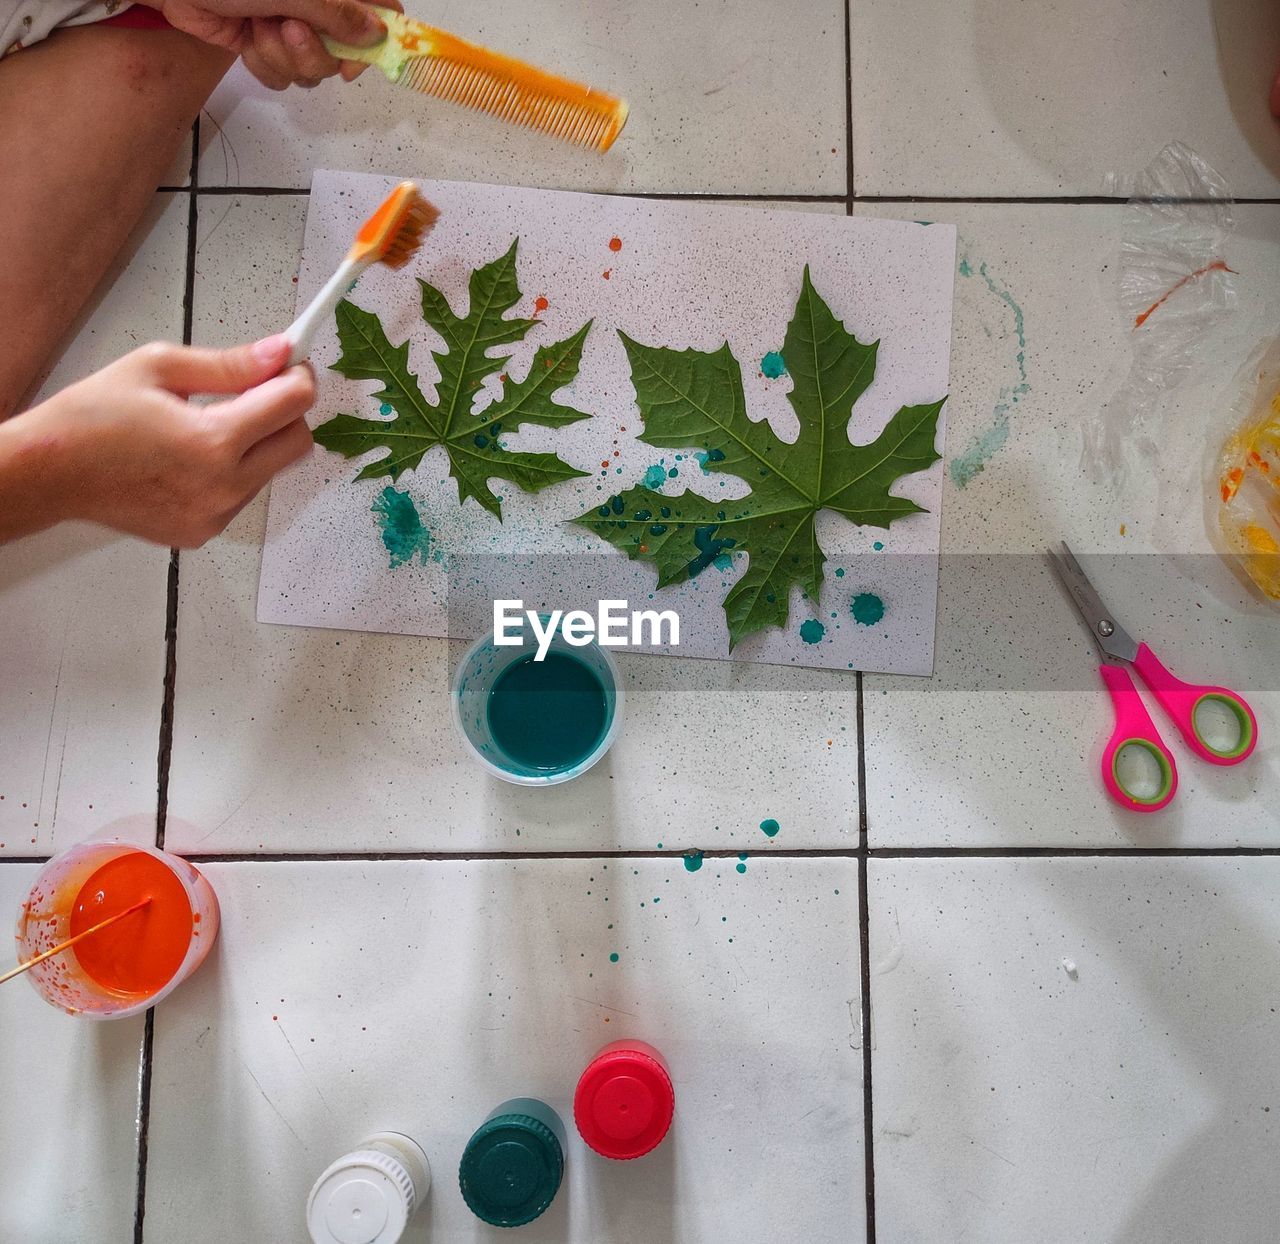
(391, 236)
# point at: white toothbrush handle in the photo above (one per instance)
(303, 329)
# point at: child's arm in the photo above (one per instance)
(125, 448)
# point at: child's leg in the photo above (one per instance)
(90, 120)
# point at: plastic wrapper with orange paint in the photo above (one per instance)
(1173, 286)
(1246, 477)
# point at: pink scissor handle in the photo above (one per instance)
(1134, 728)
(1180, 700)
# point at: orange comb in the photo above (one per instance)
(437, 63)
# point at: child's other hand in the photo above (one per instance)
(279, 40)
(125, 447)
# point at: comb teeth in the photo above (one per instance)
(418, 220)
(542, 102)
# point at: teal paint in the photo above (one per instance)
(812, 631)
(770, 827)
(547, 715)
(708, 459)
(654, 476)
(986, 444)
(403, 534)
(867, 608)
(692, 861)
(709, 550)
(773, 365)
(385, 408)
(671, 474)
(613, 958)
(839, 572)
(742, 868)
(878, 545)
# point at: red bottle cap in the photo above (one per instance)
(624, 1102)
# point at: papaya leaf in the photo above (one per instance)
(471, 441)
(694, 399)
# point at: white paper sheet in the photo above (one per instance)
(688, 275)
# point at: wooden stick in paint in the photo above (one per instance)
(71, 941)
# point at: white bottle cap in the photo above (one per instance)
(369, 1195)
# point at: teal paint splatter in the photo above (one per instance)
(710, 457)
(983, 447)
(773, 365)
(878, 545)
(770, 827)
(654, 476)
(840, 572)
(692, 861)
(709, 550)
(403, 534)
(742, 868)
(812, 631)
(867, 608)
(613, 958)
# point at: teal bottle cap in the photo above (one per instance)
(511, 1170)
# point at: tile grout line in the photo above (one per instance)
(798, 853)
(864, 969)
(847, 198)
(165, 751)
(848, 108)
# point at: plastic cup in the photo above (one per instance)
(512, 1166)
(624, 1101)
(45, 920)
(477, 673)
(370, 1195)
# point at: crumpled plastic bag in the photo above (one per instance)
(1173, 286)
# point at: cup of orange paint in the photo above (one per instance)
(133, 963)
(625, 1100)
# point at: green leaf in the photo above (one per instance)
(471, 441)
(694, 399)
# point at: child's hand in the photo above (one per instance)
(126, 449)
(278, 40)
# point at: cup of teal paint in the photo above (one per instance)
(536, 723)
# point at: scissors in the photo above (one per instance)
(1138, 770)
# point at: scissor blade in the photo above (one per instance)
(1107, 633)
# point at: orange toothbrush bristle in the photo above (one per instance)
(394, 232)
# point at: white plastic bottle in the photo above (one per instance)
(369, 1195)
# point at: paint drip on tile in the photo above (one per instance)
(982, 448)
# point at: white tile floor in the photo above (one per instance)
(1004, 1100)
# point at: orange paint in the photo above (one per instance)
(539, 304)
(1122, 529)
(607, 273)
(1218, 265)
(615, 245)
(138, 956)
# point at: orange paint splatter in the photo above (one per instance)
(615, 245)
(539, 303)
(1122, 528)
(1217, 265)
(607, 273)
